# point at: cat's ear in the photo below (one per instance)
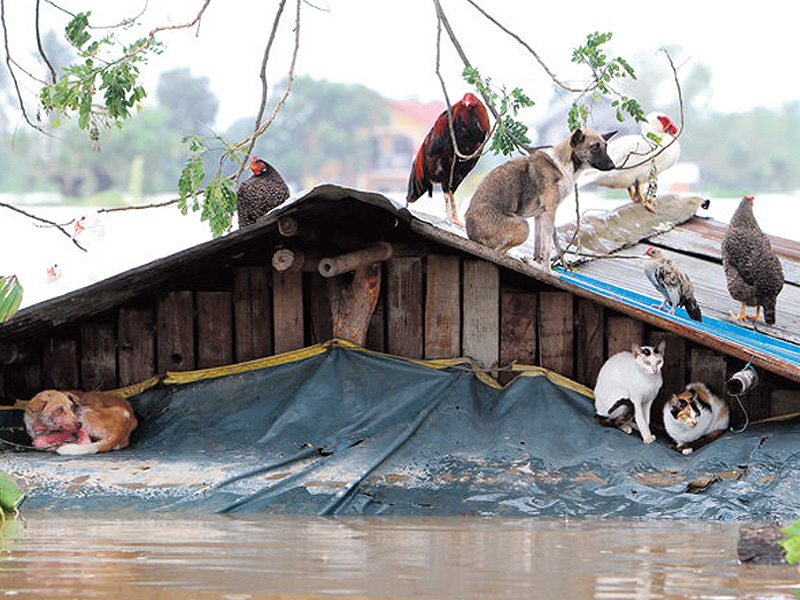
(674, 401)
(635, 350)
(662, 346)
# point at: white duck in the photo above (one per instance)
(640, 158)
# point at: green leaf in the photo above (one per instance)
(10, 495)
(76, 30)
(10, 296)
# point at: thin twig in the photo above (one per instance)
(260, 129)
(11, 70)
(122, 23)
(510, 33)
(42, 220)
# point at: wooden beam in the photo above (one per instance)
(287, 307)
(556, 332)
(214, 329)
(404, 306)
(481, 333)
(353, 300)
(137, 345)
(98, 357)
(175, 332)
(252, 313)
(443, 307)
(337, 265)
(320, 310)
(291, 259)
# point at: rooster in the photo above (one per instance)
(754, 274)
(436, 161)
(672, 283)
(640, 158)
(258, 195)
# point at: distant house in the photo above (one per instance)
(394, 145)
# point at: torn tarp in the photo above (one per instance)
(339, 430)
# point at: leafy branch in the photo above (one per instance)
(604, 72)
(791, 543)
(510, 135)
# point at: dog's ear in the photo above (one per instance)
(73, 398)
(609, 135)
(577, 138)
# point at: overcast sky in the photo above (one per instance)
(389, 45)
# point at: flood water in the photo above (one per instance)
(68, 555)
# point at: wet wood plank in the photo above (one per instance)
(710, 287)
(622, 333)
(589, 349)
(287, 306)
(404, 306)
(556, 332)
(518, 326)
(252, 313)
(61, 359)
(137, 347)
(481, 334)
(214, 329)
(443, 307)
(98, 357)
(175, 332)
(22, 382)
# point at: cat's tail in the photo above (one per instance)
(621, 413)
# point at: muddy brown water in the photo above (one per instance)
(64, 555)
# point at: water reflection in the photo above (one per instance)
(80, 556)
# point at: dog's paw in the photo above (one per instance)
(75, 449)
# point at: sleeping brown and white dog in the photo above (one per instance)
(74, 423)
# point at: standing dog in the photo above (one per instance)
(532, 186)
(74, 423)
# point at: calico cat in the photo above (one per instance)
(695, 417)
(626, 386)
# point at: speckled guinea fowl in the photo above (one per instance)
(258, 195)
(754, 274)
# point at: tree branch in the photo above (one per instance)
(260, 128)
(41, 48)
(45, 221)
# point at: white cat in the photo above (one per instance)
(626, 386)
(695, 417)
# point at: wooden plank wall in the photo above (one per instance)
(436, 306)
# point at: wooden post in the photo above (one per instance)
(404, 306)
(252, 313)
(518, 311)
(287, 306)
(337, 265)
(443, 307)
(290, 259)
(622, 333)
(214, 329)
(352, 302)
(175, 332)
(320, 309)
(590, 342)
(98, 357)
(556, 332)
(376, 331)
(481, 334)
(673, 372)
(60, 364)
(137, 347)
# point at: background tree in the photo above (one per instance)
(188, 101)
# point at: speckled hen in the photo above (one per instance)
(753, 271)
(258, 195)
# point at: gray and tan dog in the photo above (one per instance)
(532, 186)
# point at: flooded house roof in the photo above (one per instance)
(333, 218)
